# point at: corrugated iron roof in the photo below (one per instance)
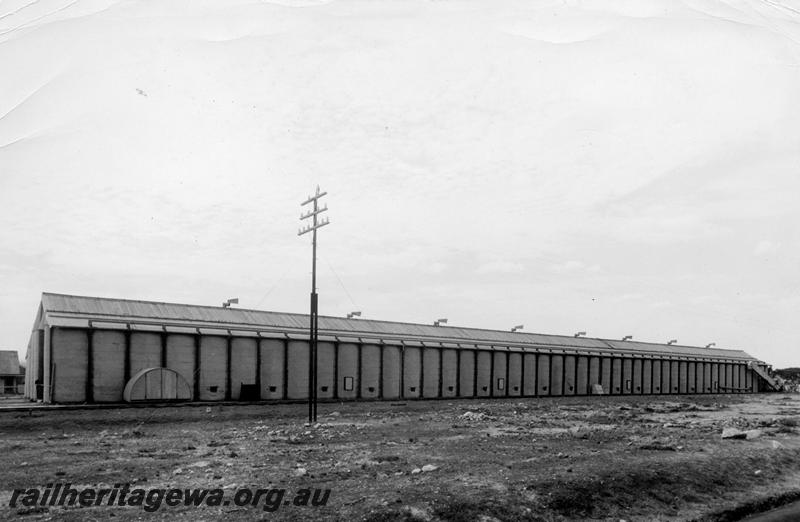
(149, 311)
(675, 349)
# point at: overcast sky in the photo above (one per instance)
(620, 168)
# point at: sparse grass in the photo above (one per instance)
(485, 505)
(662, 487)
(471, 509)
(759, 506)
(400, 515)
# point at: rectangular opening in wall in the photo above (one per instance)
(516, 388)
(449, 388)
(213, 389)
(412, 388)
(371, 389)
(273, 388)
(501, 383)
(348, 384)
(324, 388)
(248, 392)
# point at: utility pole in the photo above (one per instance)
(313, 327)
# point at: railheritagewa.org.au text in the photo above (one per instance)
(153, 499)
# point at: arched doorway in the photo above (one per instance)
(157, 384)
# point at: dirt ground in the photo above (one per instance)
(629, 458)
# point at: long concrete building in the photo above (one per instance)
(92, 350)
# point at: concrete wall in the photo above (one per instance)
(370, 371)
(430, 374)
(594, 372)
(216, 366)
(616, 377)
(449, 372)
(683, 378)
(244, 355)
(707, 382)
(466, 374)
(108, 363)
(647, 377)
(543, 374)
(582, 385)
(272, 367)
(326, 370)
(691, 380)
(180, 357)
(412, 371)
(666, 377)
(627, 376)
(556, 375)
(570, 382)
(145, 351)
(213, 368)
(657, 374)
(529, 388)
(34, 370)
(348, 383)
(606, 374)
(69, 368)
(499, 377)
(392, 368)
(484, 378)
(297, 364)
(514, 374)
(637, 377)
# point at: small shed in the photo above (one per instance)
(12, 375)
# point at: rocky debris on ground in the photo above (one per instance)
(734, 433)
(473, 416)
(674, 407)
(658, 447)
(415, 513)
(355, 447)
(427, 468)
(386, 458)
